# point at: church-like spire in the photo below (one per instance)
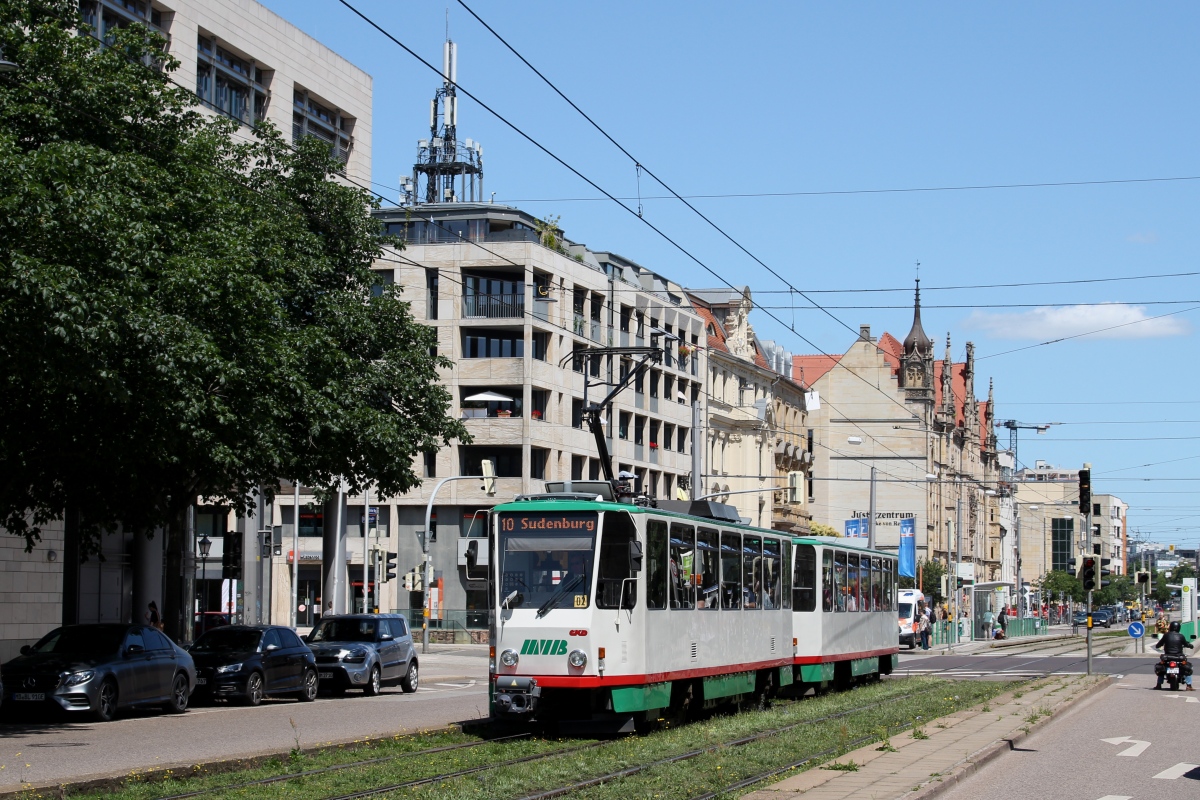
(916, 341)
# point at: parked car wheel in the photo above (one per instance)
(409, 682)
(374, 683)
(178, 703)
(309, 692)
(254, 689)
(106, 705)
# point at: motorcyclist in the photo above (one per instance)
(1172, 643)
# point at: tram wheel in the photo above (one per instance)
(683, 703)
(765, 690)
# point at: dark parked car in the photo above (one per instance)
(208, 620)
(250, 662)
(101, 669)
(1101, 617)
(364, 651)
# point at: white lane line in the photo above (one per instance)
(1177, 771)
(1138, 748)
(1116, 797)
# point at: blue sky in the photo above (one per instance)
(760, 97)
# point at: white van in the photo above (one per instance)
(908, 601)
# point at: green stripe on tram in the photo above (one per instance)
(728, 685)
(816, 673)
(864, 666)
(641, 698)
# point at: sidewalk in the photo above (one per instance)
(954, 746)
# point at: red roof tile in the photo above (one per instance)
(807, 370)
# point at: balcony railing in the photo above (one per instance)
(493, 306)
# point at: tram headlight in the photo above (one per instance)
(509, 658)
(577, 659)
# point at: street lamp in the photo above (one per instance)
(857, 440)
(5, 64)
(205, 548)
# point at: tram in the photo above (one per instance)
(612, 608)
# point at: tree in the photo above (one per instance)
(821, 529)
(187, 313)
(1057, 582)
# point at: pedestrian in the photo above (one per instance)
(923, 627)
(1004, 620)
(153, 618)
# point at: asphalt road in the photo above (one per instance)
(453, 689)
(1125, 743)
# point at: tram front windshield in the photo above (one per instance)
(544, 555)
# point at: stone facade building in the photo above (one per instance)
(893, 406)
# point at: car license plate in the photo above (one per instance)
(326, 675)
(29, 696)
(201, 681)
(1172, 670)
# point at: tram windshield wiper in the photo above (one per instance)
(557, 597)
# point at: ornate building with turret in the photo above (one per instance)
(892, 405)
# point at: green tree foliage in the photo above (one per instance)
(930, 574)
(821, 529)
(189, 308)
(1056, 583)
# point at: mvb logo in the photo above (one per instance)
(544, 647)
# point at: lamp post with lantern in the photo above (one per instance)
(205, 545)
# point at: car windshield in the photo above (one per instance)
(227, 641)
(542, 551)
(905, 610)
(89, 640)
(345, 630)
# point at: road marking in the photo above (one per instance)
(1138, 748)
(1177, 771)
(1116, 797)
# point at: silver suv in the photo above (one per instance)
(364, 651)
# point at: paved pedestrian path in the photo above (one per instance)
(926, 760)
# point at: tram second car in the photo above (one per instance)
(621, 612)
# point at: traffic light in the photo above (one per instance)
(1074, 573)
(412, 580)
(1085, 491)
(264, 540)
(1087, 574)
(231, 556)
(277, 540)
(1143, 577)
(1105, 572)
(389, 567)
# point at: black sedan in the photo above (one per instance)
(100, 669)
(250, 662)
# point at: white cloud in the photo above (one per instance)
(1062, 321)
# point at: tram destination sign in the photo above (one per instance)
(538, 522)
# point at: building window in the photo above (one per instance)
(683, 437)
(541, 342)
(668, 439)
(639, 430)
(576, 413)
(654, 426)
(655, 377)
(623, 425)
(312, 118)
(479, 343)
(1062, 532)
(1095, 509)
(578, 463)
(430, 464)
(312, 520)
(537, 463)
(431, 294)
(229, 83)
(506, 459)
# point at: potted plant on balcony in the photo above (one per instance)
(684, 350)
(536, 414)
(504, 412)
(654, 445)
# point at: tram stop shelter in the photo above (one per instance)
(987, 600)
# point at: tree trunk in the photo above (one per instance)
(179, 580)
(70, 566)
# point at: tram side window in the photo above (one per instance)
(827, 580)
(656, 564)
(787, 575)
(683, 553)
(613, 590)
(804, 593)
(877, 579)
(852, 582)
(752, 572)
(707, 567)
(839, 580)
(891, 586)
(731, 570)
(864, 577)
(772, 574)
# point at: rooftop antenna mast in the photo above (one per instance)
(447, 170)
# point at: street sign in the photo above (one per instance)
(1137, 630)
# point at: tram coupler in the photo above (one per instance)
(516, 696)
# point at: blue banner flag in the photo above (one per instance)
(851, 529)
(908, 548)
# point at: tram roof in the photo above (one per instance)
(572, 504)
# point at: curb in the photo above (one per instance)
(166, 772)
(992, 751)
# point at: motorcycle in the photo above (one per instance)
(1174, 669)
